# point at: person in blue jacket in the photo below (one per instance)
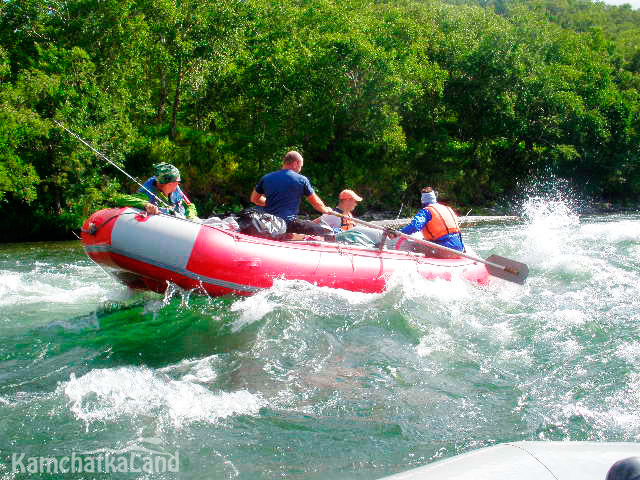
(164, 186)
(437, 222)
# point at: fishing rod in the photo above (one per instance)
(103, 156)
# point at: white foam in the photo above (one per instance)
(68, 284)
(294, 294)
(252, 309)
(200, 370)
(516, 357)
(109, 394)
(629, 352)
(502, 331)
(617, 412)
(611, 232)
(407, 283)
(548, 223)
(544, 214)
(438, 340)
(568, 264)
(413, 285)
(569, 317)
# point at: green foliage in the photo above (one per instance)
(382, 97)
(18, 126)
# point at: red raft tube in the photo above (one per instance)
(147, 251)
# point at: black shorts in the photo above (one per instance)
(307, 227)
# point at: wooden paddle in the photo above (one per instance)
(498, 266)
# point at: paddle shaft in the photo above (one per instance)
(427, 243)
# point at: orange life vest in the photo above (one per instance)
(443, 222)
(346, 222)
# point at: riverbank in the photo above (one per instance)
(496, 216)
(25, 233)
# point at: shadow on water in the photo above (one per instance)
(158, 333)
(139, 332)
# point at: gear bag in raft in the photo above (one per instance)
(260, 224)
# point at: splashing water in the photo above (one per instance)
(544, 215)
(316, 383)
(550, 224)
(112, 394)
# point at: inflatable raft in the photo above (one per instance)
(147, 251)
(528, 461)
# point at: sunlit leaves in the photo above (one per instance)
(379, 96)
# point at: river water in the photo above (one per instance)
(304, 382)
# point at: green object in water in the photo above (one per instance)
(354, 237)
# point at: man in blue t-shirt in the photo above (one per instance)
(280, 193)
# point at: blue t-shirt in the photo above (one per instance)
(451, 240)
(284, 189)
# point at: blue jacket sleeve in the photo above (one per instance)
(418, 222)
(149, 186)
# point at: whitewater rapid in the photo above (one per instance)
(314, 382)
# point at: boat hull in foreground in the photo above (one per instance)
(528, 461)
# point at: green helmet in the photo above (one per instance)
(166, 173)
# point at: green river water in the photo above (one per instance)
(302, 382)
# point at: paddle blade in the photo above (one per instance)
(507, 269)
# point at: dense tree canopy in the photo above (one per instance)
(380, 96)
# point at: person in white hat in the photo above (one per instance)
(347, 202)
(438, 222)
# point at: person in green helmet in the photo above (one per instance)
(164, 185)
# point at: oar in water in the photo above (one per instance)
(498, 266)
